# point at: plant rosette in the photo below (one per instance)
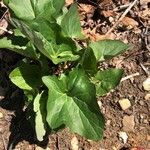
(59, 77)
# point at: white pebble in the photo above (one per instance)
(147, 97)
(123, 136)
(1, 115)
(74, 143)
(146, 84)
(124, 103)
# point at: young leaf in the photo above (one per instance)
(72, 102)
(40, 114)
(26, 76)
(107, 80)
(50, 31)
(56, 53)
(106, 49)
(71, 24)
(88, 61)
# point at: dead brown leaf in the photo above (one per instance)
(127, 21)
(92, 35)
(108, 13)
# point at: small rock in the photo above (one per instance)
(146, 84)
(111, 19)
(147, 97)
(108, 122)
(123, 136)
(1, 115)
(148, 137)
(99, 104)
(124, 103)
(74, 143)
(128, 123)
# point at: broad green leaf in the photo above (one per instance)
(26, 76)
(107, 80)
(32, 9)
(19, 45)
(88, 62)
(106, 49)
(72, 102)
(50, 31)
(60, 17)
(48, 9)
(70, 24)
(40, 114)
(22, 9)
(56, 53)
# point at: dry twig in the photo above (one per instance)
(144, 69)
(122, 16)
(121, 7)
(130, 76)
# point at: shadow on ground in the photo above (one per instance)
(20, 127)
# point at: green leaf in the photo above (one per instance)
(56, 53)
(40, 114)
(50, 31)
(58, 5)
(106, 49)
(22, 9)
(72, 102)
(70, 24)
(107, 80)
(26, 76)
(19, 45)
(88, 62)
(33, 9)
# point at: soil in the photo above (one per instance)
(97, 17)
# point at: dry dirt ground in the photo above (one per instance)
(127, 129)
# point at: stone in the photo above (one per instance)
(74, 143)
(124, 103)
(147, 97)
(128, 123)
(1, 115)
(146, 84)
(100, 104)
(148, 137)
(123, 137)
